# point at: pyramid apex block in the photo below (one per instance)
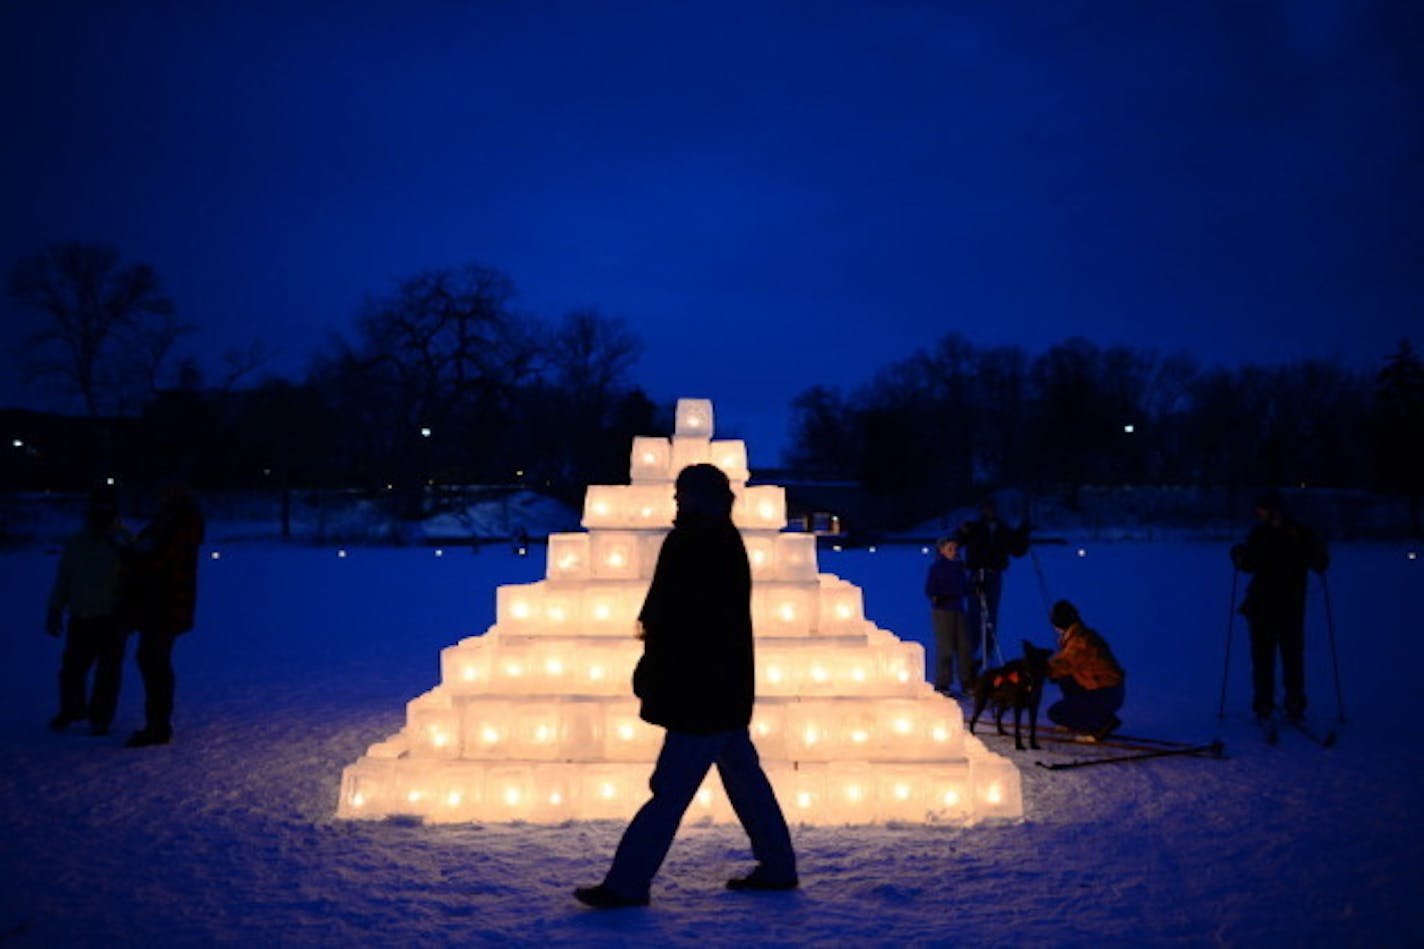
(694, 417)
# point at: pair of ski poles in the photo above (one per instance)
(1330, 629)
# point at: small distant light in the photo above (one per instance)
(519, 473)
(924, 550)
(1082, 552)
(836, 547)
(439, 552)
(1412, 555)
(216, 555)
(266, 472)
(523, 551)
(424, 432)
(109, 481)
(871, 548)
(341, 553)
(18, 443)
(1129, 428)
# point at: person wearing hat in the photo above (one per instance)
(1093, 683)
(696, 679)
(1277, 553)
(947, 585)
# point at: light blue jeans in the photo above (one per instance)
(682, 765)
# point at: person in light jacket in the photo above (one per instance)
(88, 587)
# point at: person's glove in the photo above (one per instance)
(54, 622)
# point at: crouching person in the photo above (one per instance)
(1093, 684)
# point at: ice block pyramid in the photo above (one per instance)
(535, 720)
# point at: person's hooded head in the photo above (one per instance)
(1064, 615)
(703, 491)
(102, 509)
(1269, 503)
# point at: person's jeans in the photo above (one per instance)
(682, 765)
(154, 657)
(98, 642)
(1085, 710)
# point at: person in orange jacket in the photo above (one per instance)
(1093, 683)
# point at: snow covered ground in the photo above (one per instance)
(302, 658)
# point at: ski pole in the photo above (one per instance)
(1334, 657)
(1230, 624)
(1042, 583)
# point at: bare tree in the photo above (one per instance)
(107, 329)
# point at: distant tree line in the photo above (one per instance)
(957, 420)
(443, 380)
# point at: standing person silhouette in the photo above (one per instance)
(165, 591)
(696, 679)
(947, 585)
(87, 586)
(988, 545)
(1278, 553)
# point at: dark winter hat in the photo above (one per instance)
(704, 489)
(1269, 500)
(103, 506)
(1064, 615)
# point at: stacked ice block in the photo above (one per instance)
(535, 719)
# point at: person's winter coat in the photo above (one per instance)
(947, 584)
(1084, 656)
(697, 670)
(989, 543)
(1278, 556)
(164, 585)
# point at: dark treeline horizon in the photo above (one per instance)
(958, 420)
(444, 381)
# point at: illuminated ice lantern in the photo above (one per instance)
(651, 460)
(693, 418)
(534, 719)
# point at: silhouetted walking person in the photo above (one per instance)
(1278, 553)
(165, 591)
(696, 679)
(88, 587)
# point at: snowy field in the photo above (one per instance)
(301, 659)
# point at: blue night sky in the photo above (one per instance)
(773, 195)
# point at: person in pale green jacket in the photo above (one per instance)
(87, 591)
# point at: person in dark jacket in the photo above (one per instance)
(696, 679)
(1278, 553)
(947, 585)
(165, 597)
(988, 545)
(88, 587)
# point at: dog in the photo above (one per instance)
(1017, 684)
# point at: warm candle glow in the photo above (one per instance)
(534, 720)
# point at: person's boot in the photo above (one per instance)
(144, 738)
